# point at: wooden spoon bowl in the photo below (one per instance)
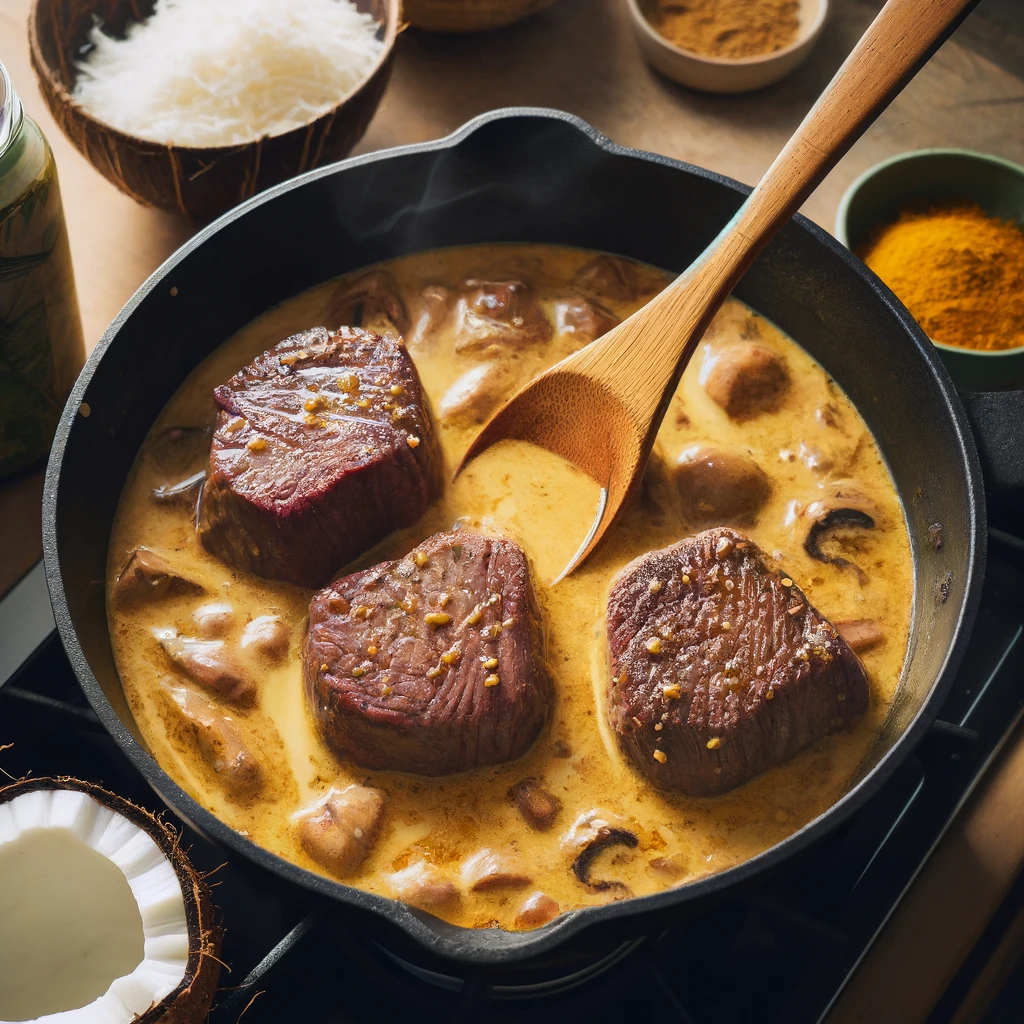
(200, 181)
(601, 407)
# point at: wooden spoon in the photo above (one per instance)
(601, 407)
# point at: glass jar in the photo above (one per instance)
(41, 347)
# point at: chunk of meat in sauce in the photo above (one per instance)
(745, 379)
(488, 870)
(220, 743)
(720, 485)
(372, 299)
(148, 576)
(498, 316)
(423, 885)
(341, 830)
(268, 636)
(582, 319)
(538, 806)
(430, 664)
(861, 634)
(323, 446)
(210, 664)
(538, 908)
(477, 393)
(729, 658)
(430, 312)
(672, 868)
(609, 277)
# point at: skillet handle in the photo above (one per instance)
(997, 419)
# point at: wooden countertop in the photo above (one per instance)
(579, 56)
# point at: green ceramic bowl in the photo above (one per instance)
(930, 176)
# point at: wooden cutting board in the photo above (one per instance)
(580, 56)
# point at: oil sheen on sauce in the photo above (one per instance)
(546, 506)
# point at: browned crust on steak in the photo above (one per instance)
(740, 677)
(303, 478)
(386, 689)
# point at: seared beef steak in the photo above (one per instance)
(728, 658)
(323, 446)
(432, 663)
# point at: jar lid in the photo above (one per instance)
(10, 110)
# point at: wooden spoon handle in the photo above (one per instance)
(900, 39)
(897, 43)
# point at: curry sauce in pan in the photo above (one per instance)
(812, 447)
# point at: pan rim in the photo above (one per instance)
(493, 947)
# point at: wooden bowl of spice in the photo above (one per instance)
(727, 46)
(944, 229)
(195, 107)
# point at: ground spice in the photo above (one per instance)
(726, 28)
(958, 271)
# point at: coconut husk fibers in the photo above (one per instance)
(190, 1001)
(469, 15)
(199, 181)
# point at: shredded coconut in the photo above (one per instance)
(226, 72)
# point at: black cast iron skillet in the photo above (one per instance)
(533, 176)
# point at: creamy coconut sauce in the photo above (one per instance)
(546, 506)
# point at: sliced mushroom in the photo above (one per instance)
(589, 836)
(340, 831)
(538, 806)
(423, 885)
(147, 576)
(844, 507)
(538, 908)
(220, 743)
(861, 634)
(745, 379)
(487, 870)
(609, 277)
(267, 635)
(210, 664)
(214, 619)
(371, 300)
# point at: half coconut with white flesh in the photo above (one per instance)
(103, 920)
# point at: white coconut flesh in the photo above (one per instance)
(92, 917)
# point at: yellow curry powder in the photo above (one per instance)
(726, 28)
(958, 271)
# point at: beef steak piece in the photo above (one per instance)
(430, 664)
(728, 658)
(323, 445)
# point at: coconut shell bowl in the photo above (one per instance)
(199, 181)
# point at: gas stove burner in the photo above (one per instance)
(557, 985)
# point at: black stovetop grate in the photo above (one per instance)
(779, 952)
